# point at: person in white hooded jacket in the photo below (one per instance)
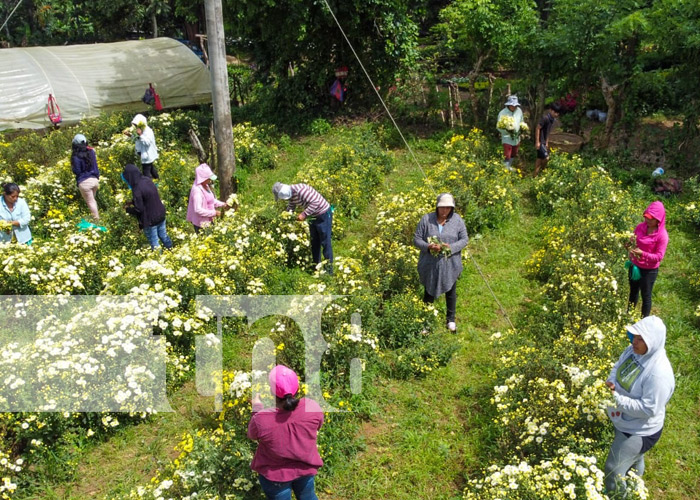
(145, 145)
(642, 383)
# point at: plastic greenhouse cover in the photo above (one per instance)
(86, 80)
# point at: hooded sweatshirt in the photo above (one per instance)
(203, 204)
(146, 142)
(517, 115)
(147, 208)
(643, 383)
(652, 245)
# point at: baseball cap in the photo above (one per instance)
(283, 381)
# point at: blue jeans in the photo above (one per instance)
(157, 232)
(320, 229)
(303, 488)
(625, 453)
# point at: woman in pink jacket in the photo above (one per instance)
(203, 203)
(651, 240)
(287, 457)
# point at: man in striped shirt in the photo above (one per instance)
(316, 209)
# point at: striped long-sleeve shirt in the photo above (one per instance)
(309, 199)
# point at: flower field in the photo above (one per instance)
(548, 397)
(253, 251)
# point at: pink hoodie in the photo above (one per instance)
(203, 203)
(653, 245)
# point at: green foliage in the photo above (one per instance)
(485, 33)
(320, 126)
(482, 187)
(297, 47)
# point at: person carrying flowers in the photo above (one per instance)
(14, 216)
(83, 162)
(287, 457)
(511, 125)
(641, 383)
(441, 236)
(316, 209)
(203, 205)
(646, 251)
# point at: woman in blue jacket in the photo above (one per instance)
(15, 216)
(83, 161)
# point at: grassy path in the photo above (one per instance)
(426, 435)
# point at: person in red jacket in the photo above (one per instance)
(650, 242)
(287, 457)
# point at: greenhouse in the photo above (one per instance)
(44, 86)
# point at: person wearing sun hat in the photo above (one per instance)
(316, 209)
(202, 207)
(510, 138)
(641, 383)
(650, 242)
(441, 235)
(287, 457)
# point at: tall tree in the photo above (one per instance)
(483, 34)
(597, 43)
(297, 45)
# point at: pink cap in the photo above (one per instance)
(283, 381)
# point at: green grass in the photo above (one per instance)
(428, 435)
(425, 437)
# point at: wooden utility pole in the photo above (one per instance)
(223, 128)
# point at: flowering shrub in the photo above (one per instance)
(254, 147)
(483, 189)
(566, 476)
(348, 173)
(550, 399)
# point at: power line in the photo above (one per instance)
(8, 17)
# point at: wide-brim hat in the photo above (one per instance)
(512, 101)
(446, 200)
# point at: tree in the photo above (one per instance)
(674, 42)
(297, 45)
(597, 43)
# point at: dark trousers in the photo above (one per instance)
(644, 284)
(450, 301)
(320, 228)
(149, 170)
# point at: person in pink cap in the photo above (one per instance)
(287, 457)
(650, 242)
(203, 204)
